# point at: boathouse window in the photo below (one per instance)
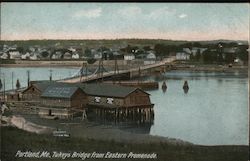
(97, 99)
(110, 100)
(33, 89)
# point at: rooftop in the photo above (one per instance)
(59, 92)
(66, 90)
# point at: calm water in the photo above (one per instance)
(35, 74)
(213, 112)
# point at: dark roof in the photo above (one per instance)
(102, 89)
(59, 91)
(41, 86)
(53, 89)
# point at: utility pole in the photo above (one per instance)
(101, 69)
(50, 77)
(3, 88)
(86, 69)
(116, 67)
(28, 78)
(12, 77)
(81, 71)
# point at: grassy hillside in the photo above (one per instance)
(13, 139)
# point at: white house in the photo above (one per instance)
(14, 54)
(150, 58)
(4, 56)
(151, 55)
(33, 56)
(25, 56)
(75, 56)
(97, 55)
(187, 50)
(128, 56)
(182, 56)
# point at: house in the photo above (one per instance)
(75, 55)
(97, 55)
(34, 91)
(25, 56)
(57, 55)
(14, 54)
(62, 101)
(129, 56)
(115, 96)
(182, 56)
(67, 55)
(107, 55)
(4, 56)
(150, 58)
(13, 96)
(33, 56)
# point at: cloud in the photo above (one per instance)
(182, 15)
(88, 13)
(164, 11)
(130, 11)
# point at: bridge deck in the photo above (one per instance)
(111, 73)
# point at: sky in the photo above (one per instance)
(175, 21)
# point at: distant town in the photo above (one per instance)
(219, 51)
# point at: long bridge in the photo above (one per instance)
(132, 72)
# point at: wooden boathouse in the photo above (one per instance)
(103, 101)
(62, 101)
(114, 102)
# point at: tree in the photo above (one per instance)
(20, 49)
(229, 57)
(198, 55)
(197, 44)
(209, 56)
(87, 52)
(243, 53)
(91, 61)
(44, 54)
(147, 48)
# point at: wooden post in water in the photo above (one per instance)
(28, 78)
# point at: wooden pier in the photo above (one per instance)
(143, 114)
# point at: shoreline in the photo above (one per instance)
(91, 131)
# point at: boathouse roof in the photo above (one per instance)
(59, 91)
(65, 90)
(111, 90)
